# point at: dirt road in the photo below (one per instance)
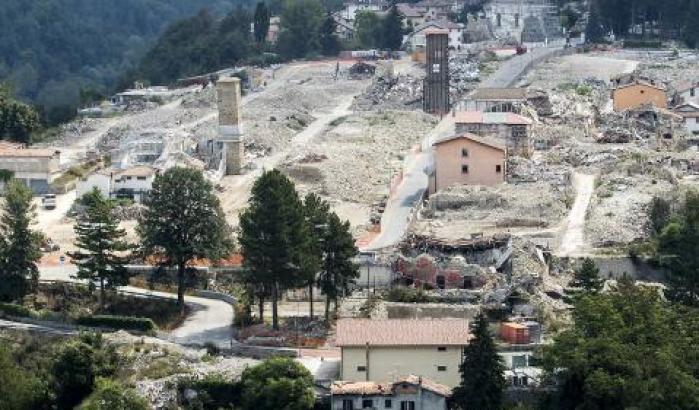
(573, 236)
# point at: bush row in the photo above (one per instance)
(141, 324)
(10, 309)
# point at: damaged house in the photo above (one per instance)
(512, 128)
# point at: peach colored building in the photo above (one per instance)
(638, 93)
(467, 159)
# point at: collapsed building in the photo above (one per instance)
(526, 21)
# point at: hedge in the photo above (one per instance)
(141, 324)
(15, 310)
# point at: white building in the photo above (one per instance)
(352, 7)
(36, 168)
(102, 180)
(406, 393)
(417, 41)
(690, 114)
(688, 92)
(134, 182)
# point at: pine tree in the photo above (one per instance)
(594, 32)
(339, 271)
(392, 30)
(20, 246)
(183, 220)
(101, 240)
(316, 213)
(274, 237)
(329, 43)
(482, 372)
(586, 278)
(261, 22)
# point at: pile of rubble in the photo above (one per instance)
(360, 69)
(537, 204)
(356, 160)
(463, 75)
(395, 92)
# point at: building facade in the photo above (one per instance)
(690, 114)
(467, 159)
(495, 100)
(407, 393)
(36, 168)
(509, 127)
(135, 182)
(377, 350)
(639, 93)
(417, 40)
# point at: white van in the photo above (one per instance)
(48, 201)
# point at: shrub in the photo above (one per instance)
(277, 383)
(583, 90)
(405, 294)
(18, 388)
(119, 322)
(214, 391)
(10, 309)
(73, 374)
(111, 395)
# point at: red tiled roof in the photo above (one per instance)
(477, 117)
(402, 332)
(28, 152)
(489, 142)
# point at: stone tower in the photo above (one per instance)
(435, 99)
(230, 123)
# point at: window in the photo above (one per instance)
(141, 178)
(691, 92)
(519, 361)
(464, 169)
(388, 403)
(407, 405)
(347, 405)
(464, 152)
(367, 404)
(361, 368)
(442, 349)
(499, 20)
(516, 19)
(128, 178)
(498, 169)
(441, 368)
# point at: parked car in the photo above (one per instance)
(48, 201)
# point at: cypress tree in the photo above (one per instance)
(100, 239)
(482, 372)
(20, 246)
(339, 270)
(587, 278)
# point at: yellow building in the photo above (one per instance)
(389, 349)
(638, 93)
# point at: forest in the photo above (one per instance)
(55, 51)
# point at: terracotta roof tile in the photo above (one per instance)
(492, 142)
(402, 332)
(28, 152)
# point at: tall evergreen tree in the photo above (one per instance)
(20, 245)
(594, 32)
(339, 270)
(678, 247)
(482, 372)
(329, 43)
(274, 236)
(392, 32)
(261, 22)
(586, 277)
(316, 213)
(183, 220)
(300, 26)
(101, 240)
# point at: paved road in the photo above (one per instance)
(510, 71)
(396, 218)
(210, 320)
(573, 238)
